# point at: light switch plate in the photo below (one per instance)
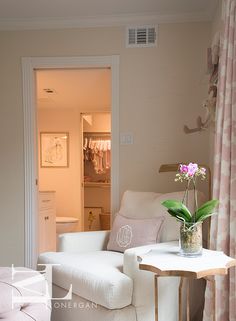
(126, 138)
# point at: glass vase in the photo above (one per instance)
(190, 239)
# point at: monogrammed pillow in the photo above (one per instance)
(127, 232)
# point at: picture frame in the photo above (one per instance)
(54, 149)
(92, 218)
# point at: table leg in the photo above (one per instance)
(180, 299)
(214, 298)
(188, 299)
(156, 296)
(213, 282)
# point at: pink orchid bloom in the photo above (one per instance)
(192, 169)
(183, 169)
(203, 170)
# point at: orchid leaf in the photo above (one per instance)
(176, 213)
(177, 208)
(206, 210)
(204, 217)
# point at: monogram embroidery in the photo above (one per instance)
(124, 236)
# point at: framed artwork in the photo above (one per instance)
(54, 149)
(92, 218)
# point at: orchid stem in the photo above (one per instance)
(185, 193)
(195, 197)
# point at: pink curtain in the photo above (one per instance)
(223, 228)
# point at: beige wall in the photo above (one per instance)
(161, 89)
(217, 19)
(167, 93)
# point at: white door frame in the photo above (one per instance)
(29, 65)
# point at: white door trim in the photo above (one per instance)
(29, 65)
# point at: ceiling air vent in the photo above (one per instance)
(141, 36)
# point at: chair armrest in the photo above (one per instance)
(143, 286)
(83, 241)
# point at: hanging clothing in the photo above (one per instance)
(98, 151)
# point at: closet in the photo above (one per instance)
(97, 180)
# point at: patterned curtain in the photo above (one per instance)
(223, 228)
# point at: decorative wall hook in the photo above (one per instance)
(209, 105)
(200, 126)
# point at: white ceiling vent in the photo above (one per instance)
(141, 36)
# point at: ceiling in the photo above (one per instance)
(83, 89)
(53, 13)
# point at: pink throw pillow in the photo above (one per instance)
(127, 232)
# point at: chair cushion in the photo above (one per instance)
(148, 204)
(127, 233)
(95, 276)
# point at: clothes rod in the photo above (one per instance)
(97, 134)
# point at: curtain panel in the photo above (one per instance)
(223, 226)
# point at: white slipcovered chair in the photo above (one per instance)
(107, 285)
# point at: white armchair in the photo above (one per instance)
(107, 285)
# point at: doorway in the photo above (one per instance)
(30, 65)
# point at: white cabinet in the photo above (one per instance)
(47, 222)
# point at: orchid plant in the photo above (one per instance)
(189, 174)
